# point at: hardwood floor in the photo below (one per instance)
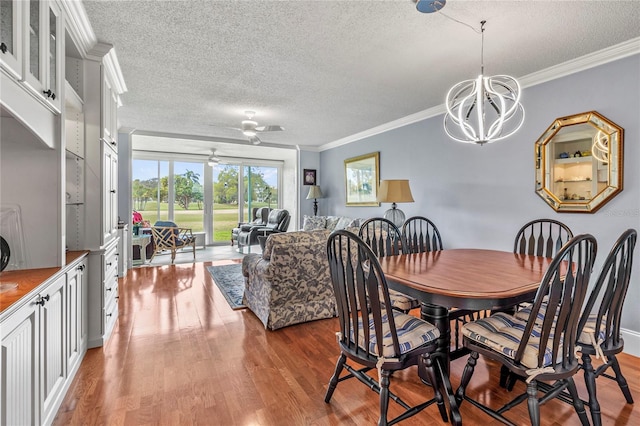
(180, 355)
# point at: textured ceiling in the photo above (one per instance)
(326, 70)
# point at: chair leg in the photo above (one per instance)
(194, 250)
(173, 255)
(577, 402)
(532, 403)
(428, 368)
(334, 379)
(590, 382)
(384, 397)
(466, 376)
(622, 382)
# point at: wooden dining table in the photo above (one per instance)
(467, 279)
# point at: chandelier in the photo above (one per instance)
(600, 147)
(483, 110)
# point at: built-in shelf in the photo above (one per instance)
(73, 156)
(586, 159)
(72, 100)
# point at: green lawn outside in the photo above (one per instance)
(225, 217)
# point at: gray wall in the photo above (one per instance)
(309, 160)
(479, 196)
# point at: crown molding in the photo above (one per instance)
(401, 122)
(78, 21)
(594, 59)
(112, 65)
(591, 60)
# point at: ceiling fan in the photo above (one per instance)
(250, 128)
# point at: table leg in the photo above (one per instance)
(439, 316)
(143, 253)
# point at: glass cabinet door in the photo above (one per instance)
(43, 47)
(33, 58)
(54, 42)
(11, 36)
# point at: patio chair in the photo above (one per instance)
(169, 236)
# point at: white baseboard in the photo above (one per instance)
(631, 342)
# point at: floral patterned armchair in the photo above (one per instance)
(289, 282)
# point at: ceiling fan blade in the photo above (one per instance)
(272, 128)
(255, 140)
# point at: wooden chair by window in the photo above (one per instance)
(542, 347)
(169, 236)
(385, 239)
(376, 336)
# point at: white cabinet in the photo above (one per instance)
(19, 376)
(53, 362)
(77, 325)
(103, 294)
(123, 247)
(101, 157)
(11, 33)
(43, 49)
(43, 341)
(110, 192)
(110, 112)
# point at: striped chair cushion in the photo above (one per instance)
(502, 333)
(412, 333)
(524, 312)
(590, 326)
(584, 338)
(402, 301)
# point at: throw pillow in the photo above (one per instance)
(332, 221)
(343, 223)
(311, 223)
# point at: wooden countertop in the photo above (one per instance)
(29, 279)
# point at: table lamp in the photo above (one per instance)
(314, 193)
(395, 191)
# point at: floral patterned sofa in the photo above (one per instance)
(289, 282)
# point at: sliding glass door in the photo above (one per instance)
(204, 198)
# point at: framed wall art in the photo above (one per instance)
(362, 176)
(309, 177)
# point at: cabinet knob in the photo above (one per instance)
(41, 300)
(108, 263)
(3, 48)
(113, 191)
(48, 93)
(109, 289)
(80, 268)
(113, 143)
(109, 315)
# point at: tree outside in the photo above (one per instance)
(189, 196)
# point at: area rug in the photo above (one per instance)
(230, 281)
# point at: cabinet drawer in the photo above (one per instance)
(110, 290)
(110, 316)
(110, 262)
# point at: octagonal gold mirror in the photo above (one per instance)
(579, 162)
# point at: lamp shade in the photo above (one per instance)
(395, 191)
(314, 192)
